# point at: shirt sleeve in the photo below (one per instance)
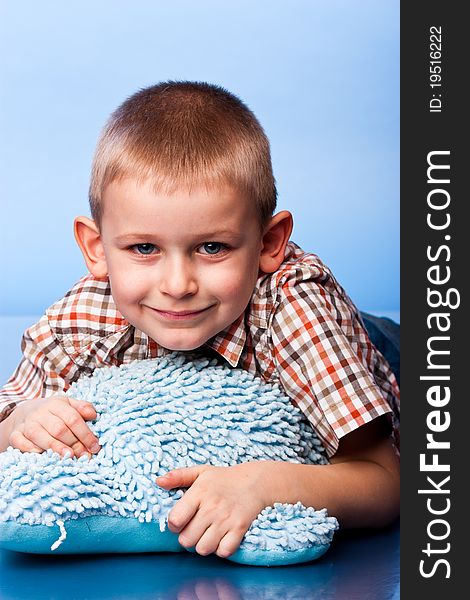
(325, 359)
(45, 369)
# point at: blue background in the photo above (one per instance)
(322, 77)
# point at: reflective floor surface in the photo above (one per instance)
(358, 566)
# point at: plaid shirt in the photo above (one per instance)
(300, 330)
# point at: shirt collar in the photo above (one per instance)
(229, 342)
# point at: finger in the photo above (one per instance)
(80, 450)
(190, 535)
(56, 427)
(75, 423)
(86, 409)
(206, 590)
(187, 592)
(38, 435)
(210, 540)
(183, 477)
(229, 543)
(226, 591)
(183, 511)
(19, 441)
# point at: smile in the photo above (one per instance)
(181, 314)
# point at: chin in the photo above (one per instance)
(181, 348)
(181, 345)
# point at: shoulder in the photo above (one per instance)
(302, 276)
(299, 265)
(86, 311)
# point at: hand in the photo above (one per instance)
(218, 508)
(204, 588)
(57, 422)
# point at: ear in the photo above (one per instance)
(275, 239)
(88, 238)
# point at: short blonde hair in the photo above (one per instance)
(184, 134)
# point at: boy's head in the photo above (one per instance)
(180, 135)
(182, 196)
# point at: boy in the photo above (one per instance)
(184, 253)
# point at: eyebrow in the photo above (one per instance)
(210, 235)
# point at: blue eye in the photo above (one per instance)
(144, 248)
(212, 247)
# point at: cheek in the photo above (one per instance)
(233, 284)
(126, 284)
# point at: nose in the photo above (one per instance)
(178, 278)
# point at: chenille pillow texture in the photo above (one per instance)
(153, 416)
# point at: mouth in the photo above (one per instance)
(178, 315)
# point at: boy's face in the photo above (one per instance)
(182, 267)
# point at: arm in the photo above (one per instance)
(34, 413)
(45, 369)
(339, 381)
(360, 487)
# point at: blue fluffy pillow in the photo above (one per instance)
(154, 416)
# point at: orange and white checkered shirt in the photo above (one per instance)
(300, 330)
